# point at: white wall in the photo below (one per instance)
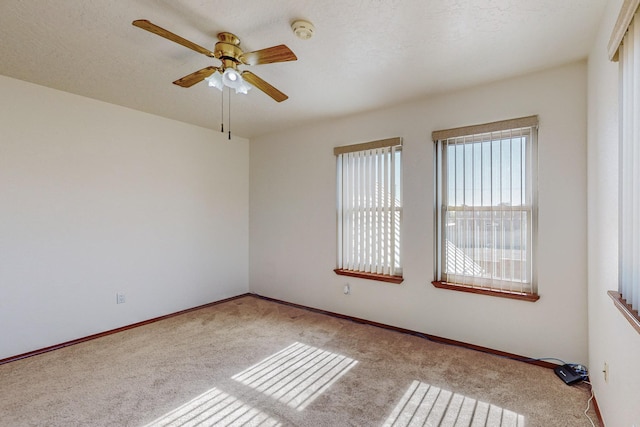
(97, 199)
(293, 219)
(611, 337)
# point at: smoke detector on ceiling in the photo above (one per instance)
(303, 29)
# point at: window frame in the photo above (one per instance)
(495, 130)
(627, 299)
(395, 180)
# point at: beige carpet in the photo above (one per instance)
(255, 362)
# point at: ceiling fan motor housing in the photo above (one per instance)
(228, 48)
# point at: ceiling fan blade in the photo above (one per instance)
(264, 86)
(195, 77)
(153, 28)
(280, 53)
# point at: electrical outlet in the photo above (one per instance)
(605, 371)
(120, 299)
(347, 289)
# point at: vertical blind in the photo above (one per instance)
(486, 214)
(369, 207)
(629, 268)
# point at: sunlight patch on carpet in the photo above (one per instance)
(215, 407)
(296, 375)
(423, 404)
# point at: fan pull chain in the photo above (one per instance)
(229, 115)
(222, 113)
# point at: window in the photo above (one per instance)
(625, 47)
(486, 208)
(370, 210)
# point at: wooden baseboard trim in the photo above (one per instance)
(429, 337)
(596, 407)
(303, 307)
(115, 331)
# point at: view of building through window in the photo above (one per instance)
(486, 212)
(486, 209)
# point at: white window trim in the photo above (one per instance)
(381, 263)
(627, 11)
(624, 46)
(498, 288)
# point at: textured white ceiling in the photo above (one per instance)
(365, 54)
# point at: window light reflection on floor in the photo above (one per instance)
(214, 407)
(423, 404)
(296, 375)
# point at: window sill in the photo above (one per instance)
(370, 276)
(501, 294)
(630, 314)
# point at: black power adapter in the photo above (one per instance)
(567, 374)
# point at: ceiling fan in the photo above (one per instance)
(228, 51)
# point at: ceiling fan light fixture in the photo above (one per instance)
(231, 78)
(215, 80)
(243, 88)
